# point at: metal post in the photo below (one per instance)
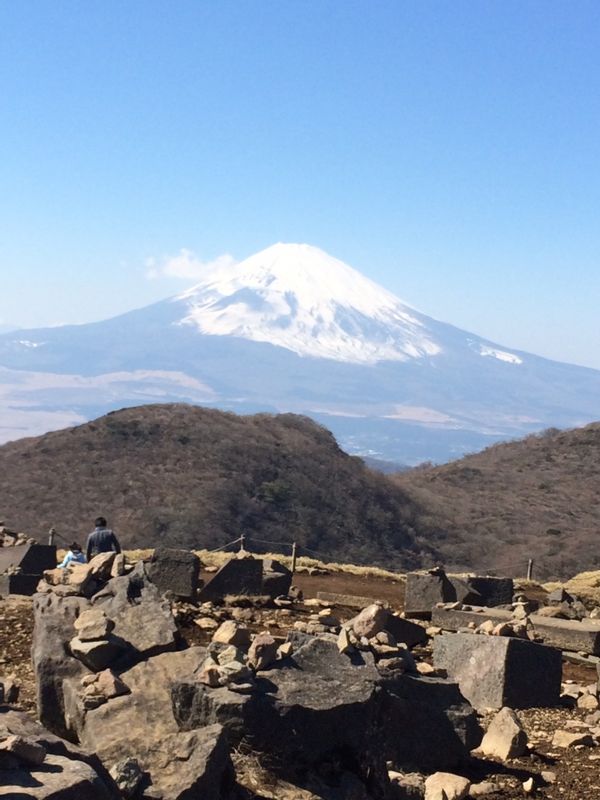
(530, 569)
(242, 543)
(51, 535)
(293, 557)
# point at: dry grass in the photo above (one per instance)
(211, 559)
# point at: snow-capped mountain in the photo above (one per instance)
(293, 329)
(298, 297)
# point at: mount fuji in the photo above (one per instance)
(294, 329)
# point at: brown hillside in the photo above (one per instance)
(537, 497)
(194, 477)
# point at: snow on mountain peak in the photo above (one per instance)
(299, 297)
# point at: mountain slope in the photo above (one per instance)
(192, 477)
(534, 498)
(293, 329)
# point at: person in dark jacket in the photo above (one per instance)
(101, 540)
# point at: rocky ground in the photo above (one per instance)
(569, 774)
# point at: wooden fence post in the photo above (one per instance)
(530, 569)
(293, 557)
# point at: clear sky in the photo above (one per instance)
(449, 150)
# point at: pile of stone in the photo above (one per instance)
(518, 620)
(518, 624)
(580, 696)
(9, 538)
(562, 605)
(387, 636)
(234, 656)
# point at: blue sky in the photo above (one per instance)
(448, 150)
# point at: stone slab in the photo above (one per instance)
(174, 570)
(580, 636)
(238, 576)
(497, 671)
(424, 590)
(349, 600)
(33, 559)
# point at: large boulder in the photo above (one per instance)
(496, 671)
(54, 619)
(145, 714)
(319, 704)
(190, 765)
(314, 706)
(143, 621)
(65, 772)
(428, 724)
(238, 576)
(175, 571)
(425, 589)
(140, 725)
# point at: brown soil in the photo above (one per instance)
(16, 628)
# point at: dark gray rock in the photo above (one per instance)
(239, 576)
(425, 589)
(9, 690)
(52, 663)
(429, 725)
(195, 705)
(558, 596)
(493, 591)
(496, 671)
(315, 706)
(277, 578)
(126, 726)
(129, 777)
(174, 571)
(67, 771)
(18, 584)
(31, 560)
(143, 620)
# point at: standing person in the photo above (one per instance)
(75, 554)
(101, 540)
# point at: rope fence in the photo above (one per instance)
(245, 541)
(296, 549)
